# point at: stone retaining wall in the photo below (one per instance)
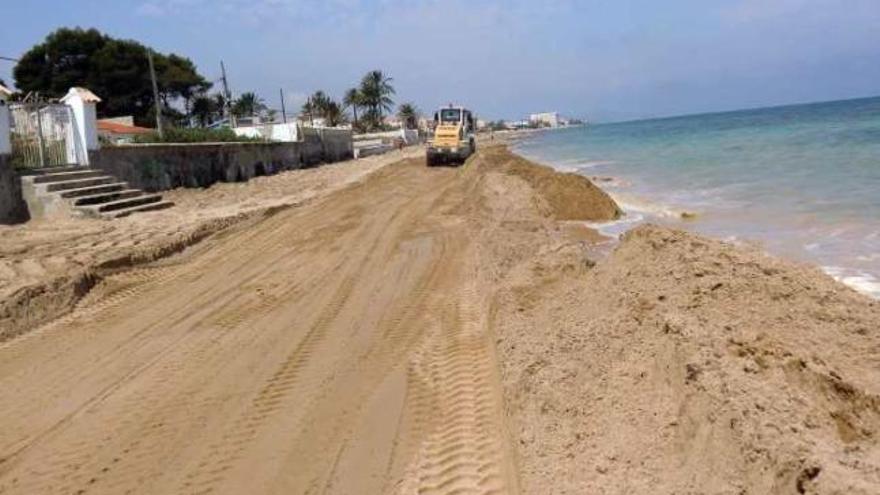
(159, 167)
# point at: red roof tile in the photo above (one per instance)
(117, 128)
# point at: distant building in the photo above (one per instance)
(120, 130)
(550, 119)
(249, 121)
(309, 121)
(393, 121)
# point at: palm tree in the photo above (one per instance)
(353, 99)
(204, 108)
(322, 106)
(320, 102)
(307, 109)
(316, 105)
(334, 115)
(408, 115)
(376, 90)
(247, 105)
(220, 103)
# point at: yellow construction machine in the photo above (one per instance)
(453, 140)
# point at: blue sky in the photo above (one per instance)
(604, 60)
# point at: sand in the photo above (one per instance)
(47, 266)
(339, 345)
(681, 364)
(379, 327)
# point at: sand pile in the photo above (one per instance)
(567, 196)
(685, 365)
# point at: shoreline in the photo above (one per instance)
(679, 363)
(641, 210)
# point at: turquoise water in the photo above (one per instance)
(802, 181)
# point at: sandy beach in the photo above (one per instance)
(377, 326)
(45, 267)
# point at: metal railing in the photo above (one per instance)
(42, 134)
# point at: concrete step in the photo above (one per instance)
(79, 183)
(53, 170)
(92, 190)
(161, 205)
(68, 175)
(106, 197)
(121, 204)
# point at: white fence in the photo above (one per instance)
(43, 135)
(409, 136)
(289, 132)
(39, 133)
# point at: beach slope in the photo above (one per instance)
(681, 364)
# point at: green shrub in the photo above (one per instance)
(194, 135)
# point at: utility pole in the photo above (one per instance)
(283, 112)
(155, 95)
(228, 96)
(40, 140)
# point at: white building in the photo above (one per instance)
(548, 118)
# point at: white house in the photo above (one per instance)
(547, 118)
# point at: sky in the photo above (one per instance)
(603, 60)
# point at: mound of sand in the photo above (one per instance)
(685, 365)
(567, 196)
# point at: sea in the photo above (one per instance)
(799, 181)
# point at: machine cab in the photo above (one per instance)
(453, 140)
(455, 116)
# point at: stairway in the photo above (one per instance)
(85, 191)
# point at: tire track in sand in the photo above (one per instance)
(266, 378)
(464, 450)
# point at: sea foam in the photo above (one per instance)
(862, 282)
